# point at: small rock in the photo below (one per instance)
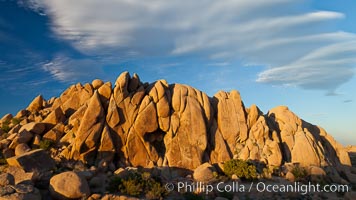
(235, 177)
(95, 196)
(290, 176)
(121, 172)
(22, 149)
(36, 141)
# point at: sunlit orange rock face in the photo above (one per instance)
(173, 125)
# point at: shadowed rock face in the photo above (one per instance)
(157, 124)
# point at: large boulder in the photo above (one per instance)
(6, 118)
(69, 185)
(36, 104)
(55, 117)
(36, 160)
(33, 127)
(205, 173)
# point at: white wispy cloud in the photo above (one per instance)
(294, 43)
(67, 69)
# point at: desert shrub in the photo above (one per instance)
(45, 144)
(299, 172)
(15, 121)
(131, 186)
(6, 126)
(242, 169)
(138, 185)
(156, 191)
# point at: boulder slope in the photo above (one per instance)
(157, 124)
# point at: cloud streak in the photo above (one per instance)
(295, 44)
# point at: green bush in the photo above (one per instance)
(156, 191)
(138, 185)
(242, 169)
(46, 144)
(6, 126)
(15, 121)
(299, 173)
(132, 187)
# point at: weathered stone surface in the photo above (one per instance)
(36, 128)
(205, 173)
(69, 185)
(105, 92)
(21, 114)
(97, 83)
(22, 149)
(148, 125)
(19, 174)
(275, 156)
(36, 104)
(231, 118)
(23, 137)
(302, 152)
(6, 118)
(55, 134)
(55, 117)
(6, 179)
(88, 135)
(316, 171)
(75, 97)
(23, 195)
(36, 160)
(106, 149)
(290, 177)
(186, 143)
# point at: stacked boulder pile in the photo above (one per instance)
(160, 125)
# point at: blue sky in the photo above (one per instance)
(277, 52)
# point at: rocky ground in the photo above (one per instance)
(96, 141)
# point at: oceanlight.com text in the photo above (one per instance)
(236, 187)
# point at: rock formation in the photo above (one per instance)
(167, 125)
